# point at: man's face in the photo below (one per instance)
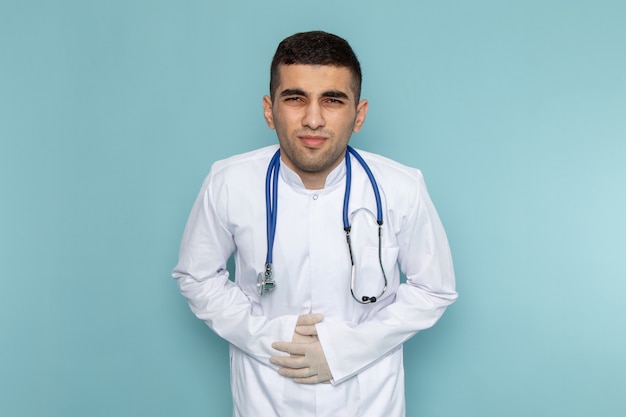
(314, 113)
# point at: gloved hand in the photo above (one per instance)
(307, 363)
(305, 331)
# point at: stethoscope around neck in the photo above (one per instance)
(265, 279)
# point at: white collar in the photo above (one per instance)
(334, 178)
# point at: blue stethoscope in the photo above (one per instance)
(265, 280)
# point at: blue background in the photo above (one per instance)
(111, 113)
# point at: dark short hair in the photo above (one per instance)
(315, 48)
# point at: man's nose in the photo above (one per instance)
(313, 117)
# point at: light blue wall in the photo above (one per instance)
(111, 113)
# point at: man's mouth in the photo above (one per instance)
(311, 141)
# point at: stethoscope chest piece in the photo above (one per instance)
(264, 281)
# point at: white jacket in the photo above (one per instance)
(362, 343)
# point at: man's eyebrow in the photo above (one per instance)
(292, 92)
(335, 94)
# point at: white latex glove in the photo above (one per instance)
(307, 363)
(305, 331)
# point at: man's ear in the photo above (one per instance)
(361, 112)
(267, 112)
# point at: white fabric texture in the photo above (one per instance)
(362, 343)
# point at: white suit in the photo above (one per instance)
(362, 343)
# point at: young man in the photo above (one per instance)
(316, 316)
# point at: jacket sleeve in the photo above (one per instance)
(203, 280)
(424, 257)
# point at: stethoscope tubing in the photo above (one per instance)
(265, 280)
(370, 175)
(271, 204)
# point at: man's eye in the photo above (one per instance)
(334, 101)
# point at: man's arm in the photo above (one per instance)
(203, 279)
(424, 257)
